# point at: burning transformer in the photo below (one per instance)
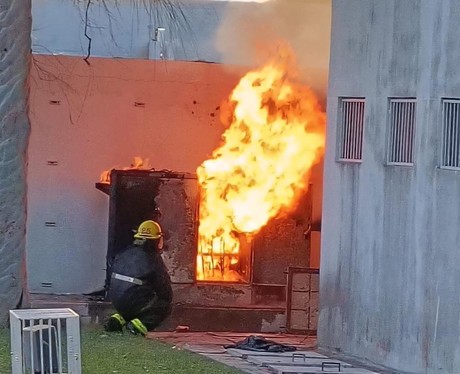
(233, 229)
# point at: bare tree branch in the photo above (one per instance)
(86, 32)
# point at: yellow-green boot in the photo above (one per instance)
(135, 326)
(115, 323)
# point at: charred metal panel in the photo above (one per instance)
(168, 197)
(282, 243)
(132, 200)
(177, 201)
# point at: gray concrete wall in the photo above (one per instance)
(120, 28)
(15, 26)
(390, 257)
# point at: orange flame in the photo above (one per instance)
(275, 136)
(138, 163)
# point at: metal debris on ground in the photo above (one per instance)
(304, 360)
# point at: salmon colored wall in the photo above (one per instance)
(177, 128)
(95, 125)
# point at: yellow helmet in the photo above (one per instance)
(148, 230)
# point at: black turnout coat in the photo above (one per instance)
(143, 262)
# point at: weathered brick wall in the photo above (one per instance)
(15, 44)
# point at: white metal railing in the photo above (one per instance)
(401, 131)
(350, 146)
(450, 158)
(41, 337)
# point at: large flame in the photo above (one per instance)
(275, 136)
(139, 163)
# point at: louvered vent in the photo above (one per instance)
(351, 126)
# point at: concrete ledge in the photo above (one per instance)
(202, 318)
(254, 318)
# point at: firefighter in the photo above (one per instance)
(140, 288)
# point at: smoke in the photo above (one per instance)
(249, 32)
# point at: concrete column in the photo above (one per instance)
(15, 55)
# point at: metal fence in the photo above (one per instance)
(45, 341)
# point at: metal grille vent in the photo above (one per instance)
(45, 341)
(402, 131)
(351, 130)
(450, 134)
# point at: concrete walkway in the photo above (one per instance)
(306, 359)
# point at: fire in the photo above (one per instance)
(138, 163)
(275, 136)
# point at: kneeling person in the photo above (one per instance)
(140, 288)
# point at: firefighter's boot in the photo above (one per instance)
(115, 323)
(135, 326)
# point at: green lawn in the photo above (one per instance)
(127, 354)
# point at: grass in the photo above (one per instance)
(104, 353)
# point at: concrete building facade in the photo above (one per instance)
(391, 212)
(143, 94)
